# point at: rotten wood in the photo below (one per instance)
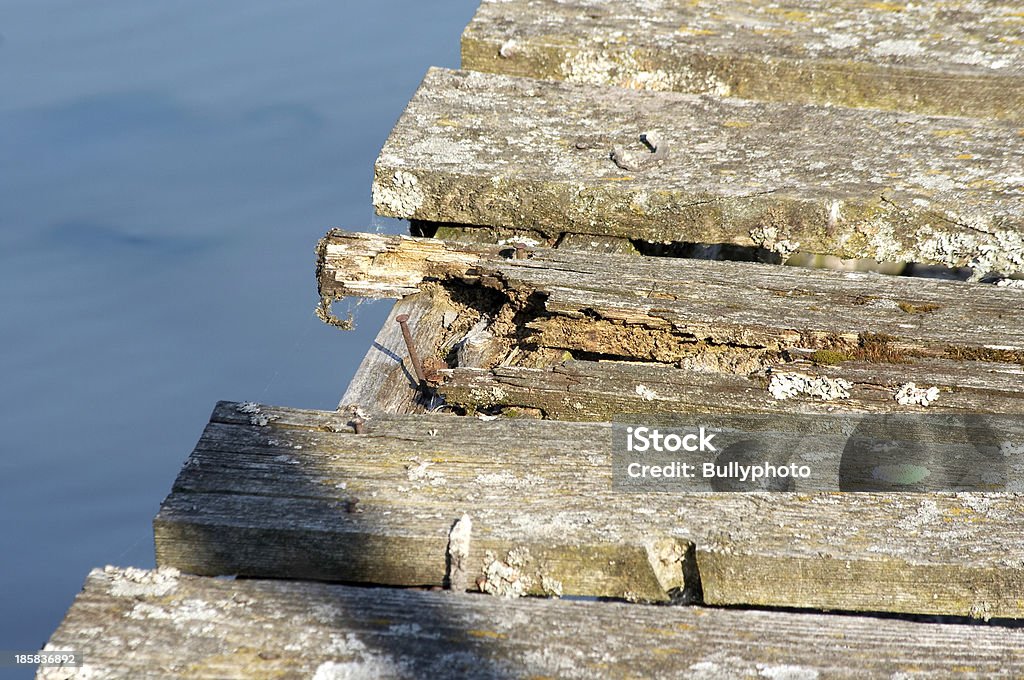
(131, 623)
(595, 391)
(736, 322)
(302, 497)
(482, 149)
(962, 60)
(385, 379)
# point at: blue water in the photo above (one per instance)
(165, 172)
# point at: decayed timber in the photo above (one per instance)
(131, 623)
(725, 324)
(960, 58)
(386, 379)
(481, 149)
(586, 390)
(302, 497)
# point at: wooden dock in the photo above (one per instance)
(458, 518)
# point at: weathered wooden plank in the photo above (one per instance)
(386, 379)
(483, 149)
(146, 624)
(958, 59)
(302, 497)
(586, 390)
(711, 317)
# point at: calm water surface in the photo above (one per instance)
(165, 172)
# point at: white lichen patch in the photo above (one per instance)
(133, 582)
(897, 48)
(786, 385)
(1011, 449)
(622, 68)
(645, 393)
(786, 672)
(981, 610)
(255, 413)
(420, 471)
(398, 196)
(981, 247)
(910, 394)
(506, 579)
(933, 182)
(770, 238)
(366, 668)
(719, 664)
(326, 613)
(928, 513)
(181, 614)
(842, 41)
(979, 58)
(551, 586)
(1010, 283)
(508, 480)
(508, 49)
(527, 241)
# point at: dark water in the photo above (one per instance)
(165, 172)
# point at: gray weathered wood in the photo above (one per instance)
(586, 390)
(157, 624)
(386, 379)
(483, 149)
(302, 497)
(962, 59)
(734, 319)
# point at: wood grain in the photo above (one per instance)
(908, 57)
(587, 390)
(474, 148)
(726, 325)
(157, 624)
(302, 497)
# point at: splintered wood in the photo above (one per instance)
(704, 336)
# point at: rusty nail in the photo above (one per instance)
(357, 425)
(403, 321)
(520, 251)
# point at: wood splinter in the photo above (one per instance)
(458, 554)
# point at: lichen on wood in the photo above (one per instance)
(539, 493)
(851, 183)
(214, 629)
(712, 320)
(962, 60)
